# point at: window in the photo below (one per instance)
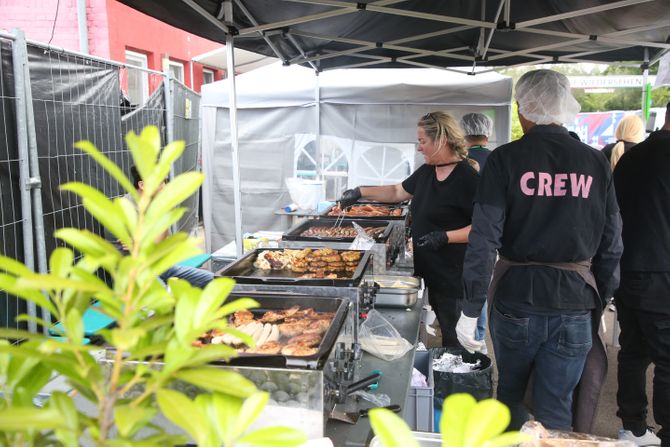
(207, 76)
(138, 80)
(177, 70)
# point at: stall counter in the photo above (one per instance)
(395, 381)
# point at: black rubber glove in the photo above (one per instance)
(433, 240)
(349, 197)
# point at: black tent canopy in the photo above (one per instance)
(327, 34)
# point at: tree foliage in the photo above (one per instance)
(150, 346)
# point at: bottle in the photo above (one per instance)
(290, 208)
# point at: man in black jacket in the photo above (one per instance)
(547, 203)
(642, 180)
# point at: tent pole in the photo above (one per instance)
(645, 76)
(234, 143)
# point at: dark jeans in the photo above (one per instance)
(553, 348)
(448, 311)
(644, 338)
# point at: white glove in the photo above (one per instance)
(465, 331)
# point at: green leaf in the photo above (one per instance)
(508, 439)
(144, 151)
(153, 230)
(225, 409)
(38, 376)
(126, 339)
(101, 208)
(489, 418)
(74, 326)
(176, 356)
(62, 403)
(128, 210)
(60, 262)
(20, 367)
(86, 242)
(282, 437)
(205, 405)
(170, 153)
(36, 320)
(130, 419)
(181, 411)
(174, 193)
(9, 283)
(179, 253)
(29, 418)
(391, 429)
(455, 413)
(18, 334)
(251, 408)
(211, 298)
(212, 353)
(108, 165)
(49, 282)
(13, 266)
(215, 379)
(234, 306)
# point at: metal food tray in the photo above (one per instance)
(392, 206)
(319, 304)
(244, 272)
(294, 234)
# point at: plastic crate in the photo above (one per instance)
(418, 412)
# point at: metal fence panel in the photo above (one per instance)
(11, 219)
(76, 97)
(186, 126)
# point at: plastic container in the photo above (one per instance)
(418, 412)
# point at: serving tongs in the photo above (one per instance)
(345, 390)
(351, 417)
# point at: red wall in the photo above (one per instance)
(132, 30)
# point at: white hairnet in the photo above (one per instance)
(544, 97)
(476, 124)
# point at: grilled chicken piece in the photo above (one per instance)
(294, 328)
(317, 327)
(309, 340)
(270, 347)
(241, 317)
(298, 350)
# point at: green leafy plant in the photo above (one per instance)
(150, 346)
(464, 423)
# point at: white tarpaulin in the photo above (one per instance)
(365, 121)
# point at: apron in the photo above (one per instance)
(587, 393)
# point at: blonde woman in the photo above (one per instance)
(629, 132)
(442, 192)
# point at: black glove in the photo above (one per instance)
(349, 197)
(433, 240)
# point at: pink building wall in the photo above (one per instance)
(113, 28)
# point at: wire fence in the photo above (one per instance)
(71, 97)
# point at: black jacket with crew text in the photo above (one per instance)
(544, 198)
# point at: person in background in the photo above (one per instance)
(546, 203)
(642, 181)
(478, 128)
(196, 277)
(629, 132)
(442, 191)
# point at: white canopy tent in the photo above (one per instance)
(244, 60)
(346, 127)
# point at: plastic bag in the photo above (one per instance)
(478, 383)
(362, 241)
(543, 437)
(381, 339)
(305, 193)
(378, 400)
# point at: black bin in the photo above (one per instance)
(478, 383)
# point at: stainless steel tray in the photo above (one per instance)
(396, 291)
